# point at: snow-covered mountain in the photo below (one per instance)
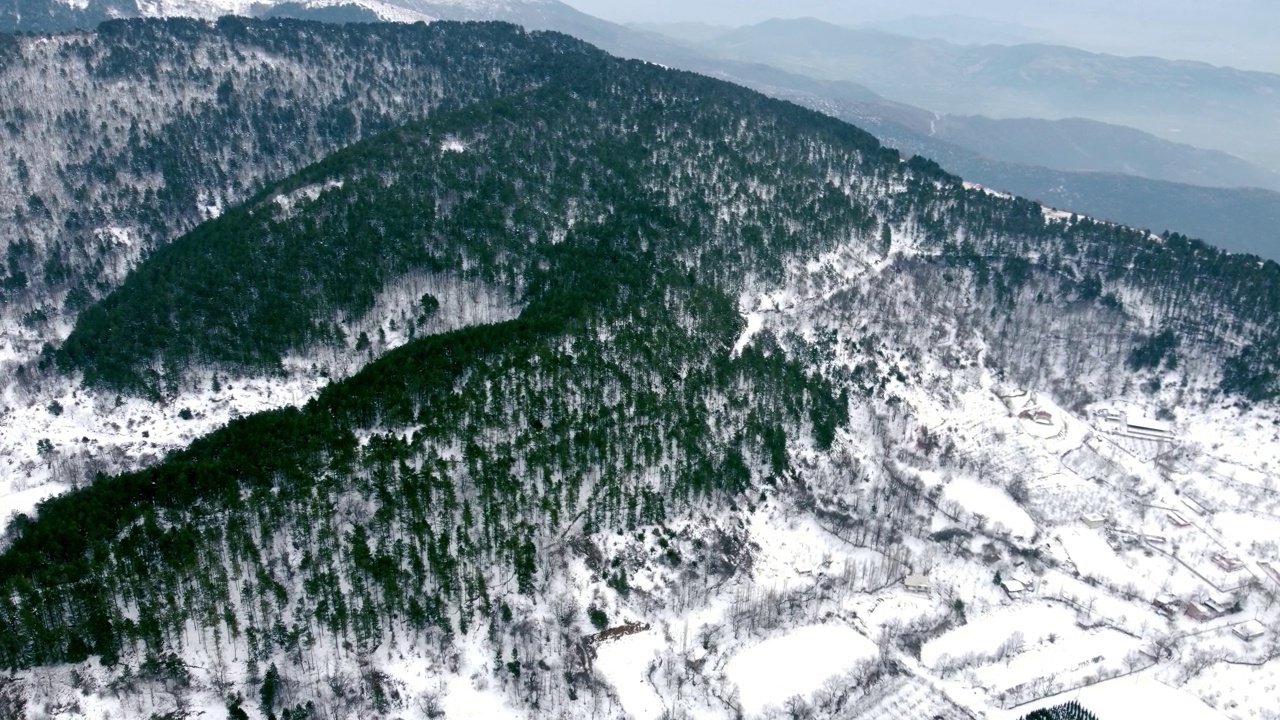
(618, 391)
(60, 15)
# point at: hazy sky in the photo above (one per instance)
(1242, 33)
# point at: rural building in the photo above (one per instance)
(1042, 417)
(1221, 603)
(1138, 426)
(917, 584)
(1199, 612)
(1167, 604)
(1155, 539)
(1249, 631)
(1014, 588)
(1093, 520)
(1227, 561)
(1177, 519)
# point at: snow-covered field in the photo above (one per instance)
(1014, 629)
(1242, 692)
(1093, 558)
(797, 663)
(625, 663)
(1127, 698)
(992, 503)
(1066, 659)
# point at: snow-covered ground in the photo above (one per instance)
(1093, 558)
(1011, 630)
(1239, 691)
(796, 664)
(43, 452)
(992, 503)
(625, 663)
(1125, 698)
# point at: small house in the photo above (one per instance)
(1013, 588)
(1227, 561)
(1167, 604)
(1138, 426)
(1221, 603)
(1200, 612)
(1093, 521)
(1042, 417)
(1249, 631)
(917, 584)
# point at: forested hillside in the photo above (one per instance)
(453, 197)
(120, 140)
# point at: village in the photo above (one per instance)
(1102, 570)
(1140, 582)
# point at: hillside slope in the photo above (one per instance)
(122, 139)
(113, 152)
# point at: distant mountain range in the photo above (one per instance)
(1214, 107)
(963, 30)
(1236, 219)
(1075, 144)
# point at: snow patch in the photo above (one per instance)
(288, 201)
(453, 144)
(466, 699)
(755, 321)
(116, 235)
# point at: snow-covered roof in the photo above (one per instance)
(1222, 598)
(1013, 586)
(1138, 421)
(1250, 630)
